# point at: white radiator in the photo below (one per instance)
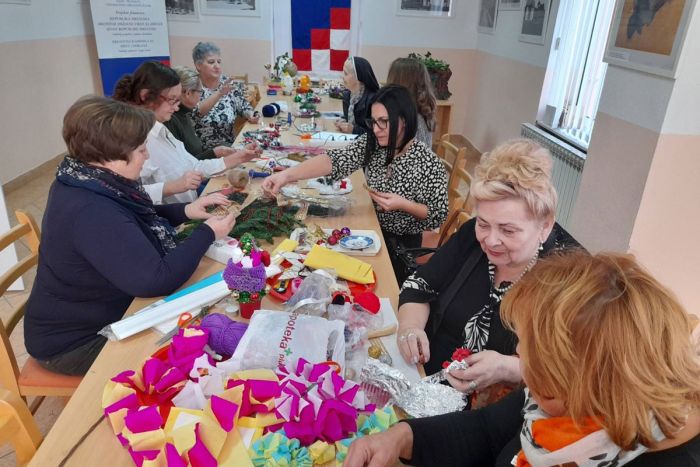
(566, 170)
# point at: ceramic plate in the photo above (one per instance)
(356, 242)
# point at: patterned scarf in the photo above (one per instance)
(127, 193)
(476, 331)
(548, 441)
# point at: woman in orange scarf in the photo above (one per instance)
(611, 371)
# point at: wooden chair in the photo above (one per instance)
(254, 99)
(453, 223)
(451, 156)
(471, 156)
(32, 380)
(18, 427)
(459, 181)
(243, 77)
(434, 240)
(458, 189)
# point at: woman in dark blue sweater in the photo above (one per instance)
(103, 241)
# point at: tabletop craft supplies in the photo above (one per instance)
(182, 408)
(275, 397)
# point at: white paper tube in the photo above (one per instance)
(141, 321)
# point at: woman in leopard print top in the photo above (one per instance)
(407, 180)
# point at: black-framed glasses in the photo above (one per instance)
(382, 123)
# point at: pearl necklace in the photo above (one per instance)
(503, 290)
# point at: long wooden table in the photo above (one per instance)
(84, 409)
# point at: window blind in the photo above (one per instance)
(578, 70)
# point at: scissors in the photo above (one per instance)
(184, 319)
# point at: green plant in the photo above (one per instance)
(432, 64)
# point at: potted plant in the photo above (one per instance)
(439, 71)
(283, 64)
(245, 275)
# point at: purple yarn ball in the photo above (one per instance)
(224, 333)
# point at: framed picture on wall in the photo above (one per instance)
(432, 8)
(535, 15)
(648, 36)
(182, 10)
(230, 7)
(509, 5)
(488, 12)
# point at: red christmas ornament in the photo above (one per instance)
(265, 257)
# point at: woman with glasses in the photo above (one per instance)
(361, 85)
(221, 102)
(407, 181)
(171, 174)
(181, 124)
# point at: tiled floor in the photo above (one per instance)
(30, 197)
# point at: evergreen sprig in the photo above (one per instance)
(263, 219)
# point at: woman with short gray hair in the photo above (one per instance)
(214, 124)
(182, 126)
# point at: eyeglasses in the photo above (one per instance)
(170, 100)
(382, 123)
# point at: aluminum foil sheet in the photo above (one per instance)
(441, 375)
(422, 399)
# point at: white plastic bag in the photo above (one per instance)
(275, 338)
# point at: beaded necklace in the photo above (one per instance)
(502, 290)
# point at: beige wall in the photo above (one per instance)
(462, 81)
(239, 55)
(502, 94)
(666, 228)
(39, 81)
(619, 158)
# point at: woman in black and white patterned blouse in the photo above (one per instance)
(408, 182)
(220, 103)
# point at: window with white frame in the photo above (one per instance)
(576, 70)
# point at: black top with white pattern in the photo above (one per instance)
(448, 317)
(216, 127)
(417, 175)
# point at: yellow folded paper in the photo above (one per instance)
(346, 267)
(287, 245)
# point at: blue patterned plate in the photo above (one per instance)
(356, 242)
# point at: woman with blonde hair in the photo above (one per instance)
(453, 300)
(413, 75)
(612, 379)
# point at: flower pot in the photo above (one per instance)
(247, 309)
(440, 78)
